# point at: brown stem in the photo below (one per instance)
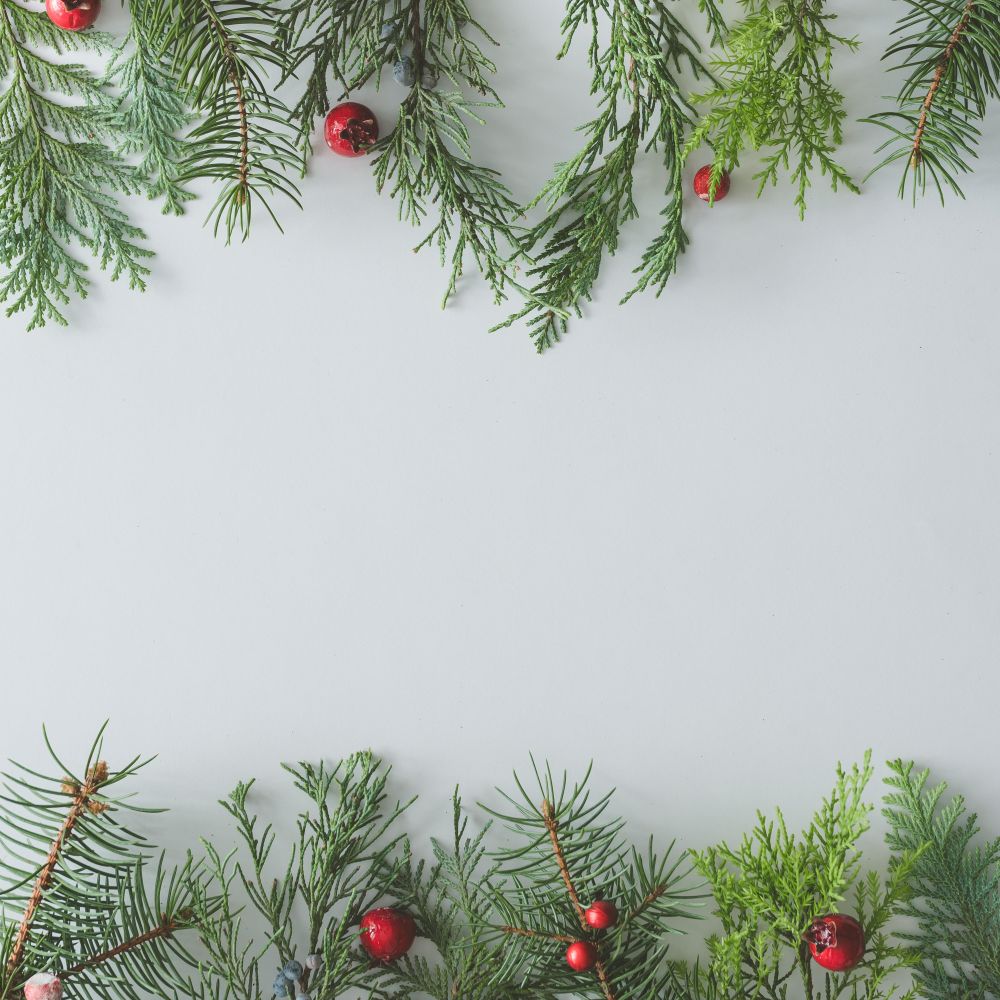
(653, 896)
(552, 825)
(82, 801)
(165, 929)
(956, 36)
(527, 932)
(241, 110)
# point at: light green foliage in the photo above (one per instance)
(60, 175)
(566, 853)
(339, 865)
(949, 53)
(775, 94)
(636, 52)
(770, 888)
(225, 55)
(96, 905)
(151, 113)
(955, 904)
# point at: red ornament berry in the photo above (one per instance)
(601, 914)
(386, 934)
(72, 15)
(581, 956)
(43, 986)
(836, 942)
(351, 129)
(702, 182)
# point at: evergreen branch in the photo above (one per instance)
(775, 93)
(59, 179)
(222, 52)
(954, 903)
(166, 928)
(950, 53)
(84, 799)
(589, 198)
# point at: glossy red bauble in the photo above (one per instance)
(836, 942)
(387, 934)
(72, 15)
(702, 182)
(601, 914)
(351, 129)
(581, 956)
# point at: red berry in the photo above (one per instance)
(601, 914)
(581, 956)
(386, 934)
(351, 129)
(702, 183)
(72, 15)
(43, 986)
(836, 941)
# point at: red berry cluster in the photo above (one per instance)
(581, 956)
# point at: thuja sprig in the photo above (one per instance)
(152, 113)
(341, 860)
(775, 93)
(949, 51)
(954, 906)
(636, 52)
(226, 56)
(771, 887)
(75, 900)
(570, 853)
(60, 176)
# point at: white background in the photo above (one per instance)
(281, 506)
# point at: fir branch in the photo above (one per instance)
(955, 900)
(775, 93)
(950, 53)
(59, 177)
(590, 196)
(222, 52)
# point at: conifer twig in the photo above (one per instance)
(82, 801)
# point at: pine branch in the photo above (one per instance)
(222, 53)
(950, 53)
(955, 899)
(590, 196)
(775, 93)
(59, 177)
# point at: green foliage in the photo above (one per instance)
(151, 112)
(955, 905)
(775, 93)
(80, 896)
(60, 175)
(636, 52)
(340, 863)
(949, 51)
(221, 53)
(567, 853)
(770, 888)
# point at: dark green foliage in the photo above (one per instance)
(949, 53)
(775, 93)
(636, 52)
(771, 887)
(311, 903)
(84, 894)
(60, 174)
(955, 905)
(151, 113)
(568, 852)
(221, 52)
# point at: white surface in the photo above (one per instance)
(281, 506)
